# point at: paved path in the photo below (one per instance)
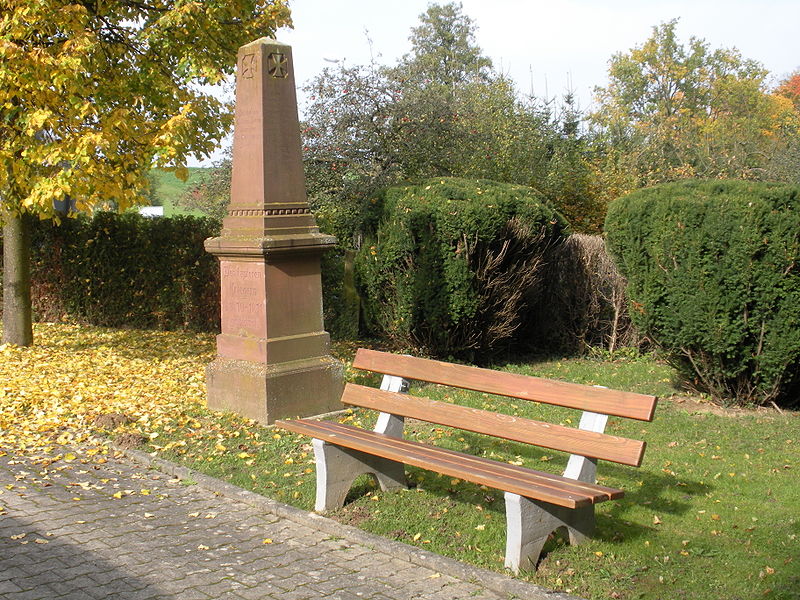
(123, 531)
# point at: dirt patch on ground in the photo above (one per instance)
(129, 440)
(353, 515)
(111, 421)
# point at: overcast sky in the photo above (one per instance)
(547, 46)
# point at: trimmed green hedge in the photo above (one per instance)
(454, 263)
(714, 281)
(124, 270)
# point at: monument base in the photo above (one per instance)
(266, 393)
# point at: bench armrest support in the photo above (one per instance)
(337, 467)
(580, 467)
(388, 423)
(530, 522)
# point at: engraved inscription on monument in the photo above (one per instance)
(243, 298)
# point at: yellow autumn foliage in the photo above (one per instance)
(51, 393)
(100, 93)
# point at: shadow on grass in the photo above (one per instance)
(654, 490)
(649, 488)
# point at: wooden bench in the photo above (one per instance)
(537, 503)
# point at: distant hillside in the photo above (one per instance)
(169, 188)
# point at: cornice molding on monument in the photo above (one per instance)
(263, 247)
(268, 212)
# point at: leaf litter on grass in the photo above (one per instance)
(78, 382)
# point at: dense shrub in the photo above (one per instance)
(583, 303)
(453, 263)
(126, 271)
(714, 280)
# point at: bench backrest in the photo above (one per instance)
(524, 387)
(578, 441)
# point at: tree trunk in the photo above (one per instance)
(17, 327)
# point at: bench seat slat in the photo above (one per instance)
(555, 437)
(435, 459)
(598, 493)
(519, 480)
(525, 387)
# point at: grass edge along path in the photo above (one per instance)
(712, 513)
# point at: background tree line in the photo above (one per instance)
(670, 111)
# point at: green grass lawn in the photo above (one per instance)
(713, 513)
(169, 188)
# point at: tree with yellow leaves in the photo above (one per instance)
(673, 111)
(94, 93)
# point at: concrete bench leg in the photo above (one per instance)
(529, 523)
(337, 468)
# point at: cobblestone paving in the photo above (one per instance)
(74, 530)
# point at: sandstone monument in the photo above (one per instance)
(273, 356)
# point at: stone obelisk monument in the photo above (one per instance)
(273, 357)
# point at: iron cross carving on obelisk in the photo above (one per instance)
(273, 356)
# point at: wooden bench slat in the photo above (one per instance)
(599, 493)
(555, 437)
(435, 459)
(525, 387)
(519, 480)
(524, 475)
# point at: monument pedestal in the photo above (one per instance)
(273, 355)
